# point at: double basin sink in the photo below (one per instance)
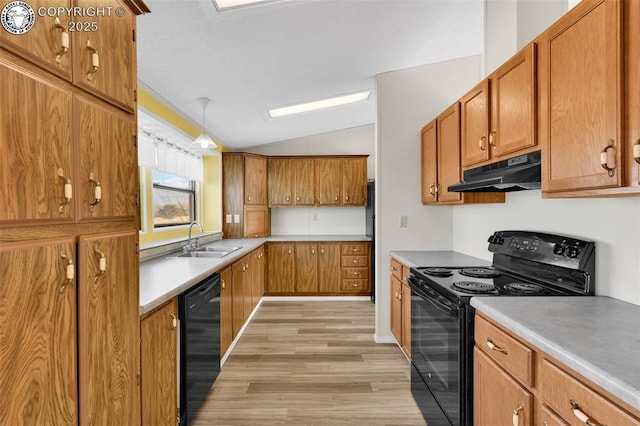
(210, 252)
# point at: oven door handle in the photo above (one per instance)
(449, 308)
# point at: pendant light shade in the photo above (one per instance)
(204, 140)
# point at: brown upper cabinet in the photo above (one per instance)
(255, 180)
(354, 181)
(291, 182)
(330, 181)
(441, 162)
(498, 115)
(586, 73)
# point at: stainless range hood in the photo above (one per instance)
(514, 174)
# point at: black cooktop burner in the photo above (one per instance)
(479, 272)
(523, 288)
(438, 272)
(474, 287)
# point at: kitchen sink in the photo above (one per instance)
(208, 252)
(225, 250)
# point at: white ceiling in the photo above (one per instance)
(254, 59)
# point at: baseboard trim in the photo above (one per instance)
(384, 339)
(246, 324)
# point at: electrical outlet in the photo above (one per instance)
(315, 217)
(228, 218)
(403, 221)
(236, 218)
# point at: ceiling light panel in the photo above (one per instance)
(321, 104)
(235, 4)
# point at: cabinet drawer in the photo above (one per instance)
(571, 399)
(353, 261)
(549, 418)
(406, 272)
(354, 285)
(355, 249)
(355, 273)
(396, 269)
(512, 355)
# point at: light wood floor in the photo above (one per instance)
(312, 363)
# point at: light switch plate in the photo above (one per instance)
(236, 218)
(228, 218)
(403, 221)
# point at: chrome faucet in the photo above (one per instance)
(191, 245)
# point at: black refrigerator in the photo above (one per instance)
(370, 213)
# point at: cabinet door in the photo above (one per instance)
(238, 295)
(232, 194)
(38, 317)
(255, 180)
(305, 181)
(104, 61)
(632, 91)
(497, 396)
(354, 182)
(159, 366)
(257, 274)
(428, 165)
(108, 176)
(226, 310)
(513, 104)
(406, 319)
(306, 268)
(47, 42)
(396, 308)
(109, 329)
(330, 181)
(256, 221)
(280, 182)
(328, 268)
(247, 289)
(35, 146)
(581, 98)
(281, 260)
(449, 153)
(475, 125)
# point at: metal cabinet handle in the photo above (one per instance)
(492, 141)
(64, 40)
(97, 191)
(581, 415)
(68, 191)
(313, 251)
(223, 284)
(298, 198)
(174, 321)
(346, 198)
(516, 414)
(496, 348)
(481, 143)
(69, 273)
(335, 198)
(102, 264)
(288, 198)
(322, 251)
(393, 269)
(248, 197)
(636, 151)
(95, 61)
(604, 158)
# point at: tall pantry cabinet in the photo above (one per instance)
(69, 306)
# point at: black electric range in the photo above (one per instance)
(525, 263)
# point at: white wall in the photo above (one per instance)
(407, 100)
(325, 220)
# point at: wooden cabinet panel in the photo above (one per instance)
(354, 286)
(108, 161)
(632, 93)
(355, 249)
(43, 43)
(328, 267)
(549, 418)
(497, 397)
(281, 261)
(232, 194)
(396, 269)
(354, 182)
(258, 272)
(475, 125)
(247, 289)
(38, 352)
(280, 181)
(226, 310)
(109, 329)
(559, 389)
(581, 59)
(238, 295)
(355, 261)
(355, 273)
(35, 142)
(159, 366)
(429, 168)
(113, 50)
(255, 180)
(330, 181)
(256, 221)
(396, 308)
(304, 174)
(449, 153)
(306, 268)
(406, 319)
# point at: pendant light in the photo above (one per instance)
(204, 140)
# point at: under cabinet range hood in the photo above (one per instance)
(514, 174)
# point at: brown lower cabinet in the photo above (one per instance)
(318, 268)
(159, 363)
(516, 383)
(401, 306)
(226, 310)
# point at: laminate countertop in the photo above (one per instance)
(443, 259)
(168, 276)
(598, 337)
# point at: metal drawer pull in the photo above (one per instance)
(432, 189)
(69, 272)
(68, 191)
(493, 346)
(102, 264)
(97, 191)
(604, 158)
(64, 40)
(492, 142)
(174, 322)
(516, 414)
(481, 143)
(95, 61)
(636, 152)
(581, 415)
(335, 198)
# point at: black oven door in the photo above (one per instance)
(437, 346)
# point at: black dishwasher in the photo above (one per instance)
(199, 311)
